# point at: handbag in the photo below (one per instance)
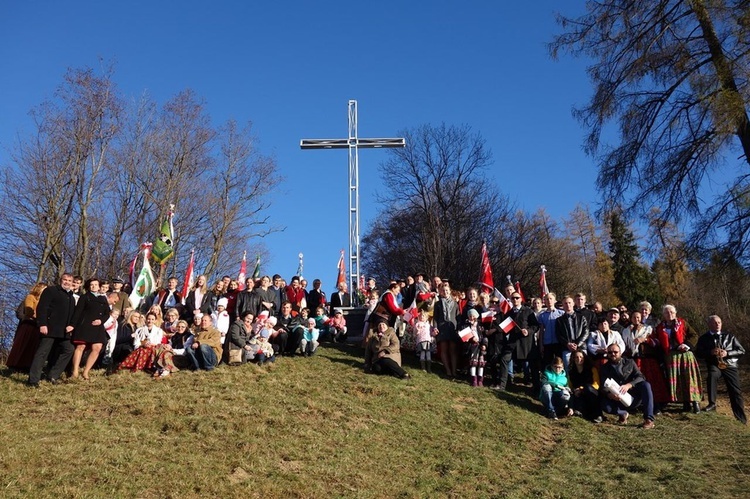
(236, 356)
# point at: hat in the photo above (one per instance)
(222, 302)
(472, 313)
(264, 333)
(337, 311)
(614, 309)
(424, 276)
(273, 320)
(117, 280)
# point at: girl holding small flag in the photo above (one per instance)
(473, 333)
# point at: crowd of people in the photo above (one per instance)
(578, 358)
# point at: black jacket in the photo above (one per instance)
(728, 342)
(55, 310)
(577, 333)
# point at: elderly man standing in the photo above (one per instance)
(722, 350)
(54, 313)
(205, 351)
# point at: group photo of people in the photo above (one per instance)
(578, 359)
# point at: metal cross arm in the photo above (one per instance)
(344, 143)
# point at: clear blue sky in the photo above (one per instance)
(291, 66)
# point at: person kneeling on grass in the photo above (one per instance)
(555, 393)
(383, 352)
(625, 373)
(205, 351)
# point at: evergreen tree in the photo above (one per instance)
(633, 281)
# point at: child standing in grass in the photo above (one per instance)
(423, 334)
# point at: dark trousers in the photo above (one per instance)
(731, 377)
(388, 366)
(641, 396)
(281, 341)
(551, 351)
(63, 349)
(533, 369)
(587, 402)
(505, 359)
(293, 341)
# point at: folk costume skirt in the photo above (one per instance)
(684, 377)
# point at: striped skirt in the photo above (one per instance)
(684, 377)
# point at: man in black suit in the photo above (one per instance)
(54, 312)
(340, 298)
(722, 350)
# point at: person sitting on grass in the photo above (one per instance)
(310, 336)
(625, 373)
(383, 352)
(337, 326)
(205, 351)
(555, 393)
(321, 321)
(583, 379)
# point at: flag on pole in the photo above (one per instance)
(300, 266)
(488, 316)
(467, 334)
(504, 304)
(243, 271)
(341, 277)
(144, 285)
(543, 289)
(486, 275)
(163, 249)
(411, 313)
(189, 277)
(256, 270)
(517, 285)
(508, 324)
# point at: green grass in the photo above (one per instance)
(320, 427)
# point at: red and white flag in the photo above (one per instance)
(485, 277)
(488, 316)
(466, 334)
(410, 314)
(243, 271)
(517, 285)
(341, 277)
(504, 304)
(189, 277)
(507, 325)
(543, 289)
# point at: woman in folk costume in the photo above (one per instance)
(684, 377)
(643, 345)
(151, 353)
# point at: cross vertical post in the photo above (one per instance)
(353, 143)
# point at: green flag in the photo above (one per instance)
(163, 249)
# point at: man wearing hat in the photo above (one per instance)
(613, 317)
(123, 305)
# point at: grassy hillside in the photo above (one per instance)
(319, 427)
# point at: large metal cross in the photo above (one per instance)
(353, 143)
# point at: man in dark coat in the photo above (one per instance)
(54, 313)
(527, 346)
(572, 330)
(248, 300)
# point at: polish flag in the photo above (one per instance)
(508, 324)
(486, 275)
(505, 305)
(411, 313)
(543, 289)
(466, 334)
(189, 277)
(488, 316)
(243, 271)
(517, 285)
